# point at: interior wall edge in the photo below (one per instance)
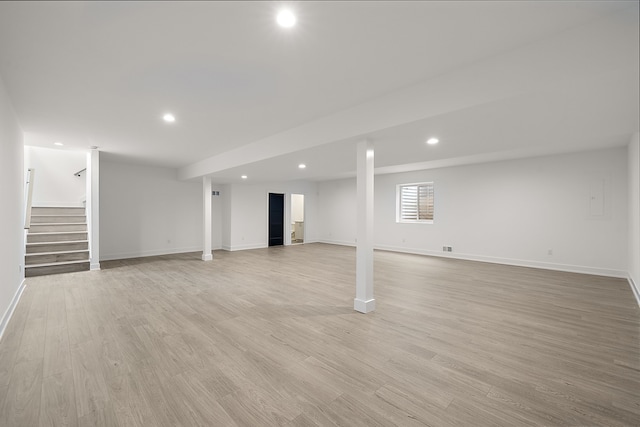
(634, 288)
(6, 317)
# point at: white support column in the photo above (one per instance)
(92, 207)
(206, 219)
(364, 301)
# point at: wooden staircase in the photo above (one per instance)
(57, 241)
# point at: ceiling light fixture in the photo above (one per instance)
(58, 143)
(286, 18)
(169, 118)
(302, 166)
(244, 177)
(432, 141)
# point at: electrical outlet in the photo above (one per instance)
(550, 252)
(444, 249)
(449, 249)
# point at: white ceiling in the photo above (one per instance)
(491, 79)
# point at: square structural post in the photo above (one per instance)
(206, 219)
(364, 301)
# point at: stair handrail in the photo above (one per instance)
(29, 195)
(80, 172)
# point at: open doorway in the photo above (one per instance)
(297, 218)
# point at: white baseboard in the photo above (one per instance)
(496, 260)
(258, 246)
(337, 242)
(509, 261)
(12, 307)
(156, 252)
(364, 306)
(634, 288)
(94, 266)
(246, 247)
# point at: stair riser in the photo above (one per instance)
(55, 269)
(56, 211)
(55, 247)
(35, 228)
(81, 219)
(49, 258)
(35, 238)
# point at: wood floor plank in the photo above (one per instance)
(23, 395)
(104, 417)
(269, 337)
(128, 402)
(58, 401)
(57, 354)
(91, 392)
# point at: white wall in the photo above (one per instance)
(297, 207)
(146, 211)
(55, 183)
(225, 215)
(634, 213)
(337, 204)
(11, 212)
(216, 217)
(249, 216)
(510, 212)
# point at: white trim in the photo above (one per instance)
(634, 288)
(508, 261)
(495, 260)
(335, 242)
(207, 257)
(247, 247)
(142, 254)
(92, 208)
(364, 306)
(94, 266)
(12, 307)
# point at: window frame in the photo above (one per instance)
(399, 218)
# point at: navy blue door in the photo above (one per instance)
(276, 219)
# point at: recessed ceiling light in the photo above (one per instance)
(302, 166)
(169, 118)
(432, 141)
(244, 177)
(286, 18)
(58, 143)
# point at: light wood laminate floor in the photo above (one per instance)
(269, 337)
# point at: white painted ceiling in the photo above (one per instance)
(491, 79)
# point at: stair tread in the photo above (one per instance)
(48, 215)
(57, 232)
(58, 223)
(65, 242)
(57, 253)
(51, 264)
